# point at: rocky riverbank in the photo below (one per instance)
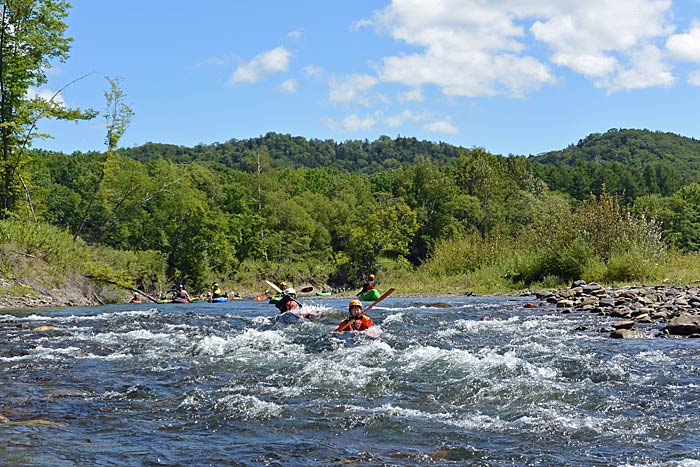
(74, 291)
(643, 311)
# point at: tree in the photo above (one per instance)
(31, 37)
(117, 117)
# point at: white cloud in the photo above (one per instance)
(314, 71)
(442, 126)
(686, 47)
(647, 70)
(290, 86)
(352, 123)
(262, 65)
(296, 34)
(414, 95)
(473, 48)
(46, 94)
(694, 78)
(405, 116)
(352, 89)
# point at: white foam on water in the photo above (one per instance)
(675, 463)
(138, 335)
(471, 422)
(338, 373)
(656, 356)
(78, 318)
(249, 407)
(560, 417)
(253, 346)
(261, 321)
(393, 318)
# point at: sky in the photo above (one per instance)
(510, 76)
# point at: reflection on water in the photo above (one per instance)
(482, 382)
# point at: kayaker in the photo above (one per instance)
(369, 285)
(182, 293)
(288, 301)
(135, 298)
(216, 290)
(353, 323)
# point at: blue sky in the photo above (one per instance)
(511, 76)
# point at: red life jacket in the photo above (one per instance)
(362, 323)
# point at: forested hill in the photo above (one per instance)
(283, 150)
(626, 161)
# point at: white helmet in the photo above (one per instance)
(290, 291)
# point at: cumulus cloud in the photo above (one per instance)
(313, 71)
(262, 65)
(352, 89)
(405, 116)
(473, 48)
(414, 95)
(694, 78)
(290, 86)
(442, 126)
(686, 47)
(648, 69)
(352, 123)
(46, 94)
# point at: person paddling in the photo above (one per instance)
(355, 322)
(369, 285)
(288, 301)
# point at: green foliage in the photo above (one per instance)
(31, 38)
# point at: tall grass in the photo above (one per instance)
(47, 254)
(597, 241)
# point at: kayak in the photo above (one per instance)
(275, 299)
(370, 296)
(219, 300)
(295, 316)
(324, 294)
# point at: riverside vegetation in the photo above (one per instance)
(623, 206)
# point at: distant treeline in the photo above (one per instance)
(285, 206)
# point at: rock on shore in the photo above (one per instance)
(643, 310)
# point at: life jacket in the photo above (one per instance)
(362, 323)
(368, 286)
(286, 303)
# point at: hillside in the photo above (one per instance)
(286, 151)
(628, 162)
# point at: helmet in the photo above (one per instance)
(290, 291)
(215, 284)
(371, 277)
(283, 284)
(355, 302)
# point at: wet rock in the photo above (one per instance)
(438, 305)
(626, 334)
(684, 325)
(627, 324)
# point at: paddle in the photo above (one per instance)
(352, 321)
(278, 290)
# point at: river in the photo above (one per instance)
(484, 382)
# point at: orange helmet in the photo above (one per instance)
(371, 277)
(354, 302)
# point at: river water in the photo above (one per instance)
(484, 382)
